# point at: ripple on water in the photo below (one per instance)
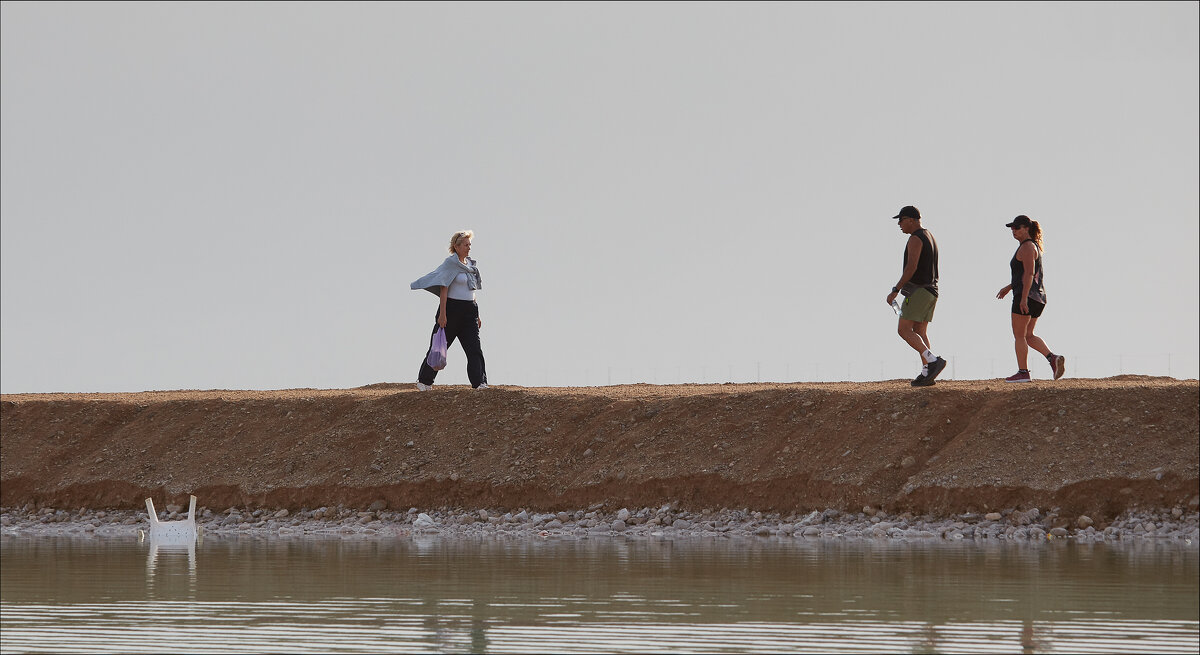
(255, 595)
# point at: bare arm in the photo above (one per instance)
(442, 306)
(1025, 254)
(914, 256)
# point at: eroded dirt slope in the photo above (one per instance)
(1095, 446)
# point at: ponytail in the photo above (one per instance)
(1035, 233)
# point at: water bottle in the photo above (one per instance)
(896, 307)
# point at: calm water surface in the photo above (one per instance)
(248, 594)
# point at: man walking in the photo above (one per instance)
(919, 285)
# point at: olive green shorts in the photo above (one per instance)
(918, 306)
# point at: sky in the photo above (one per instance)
(237, 195)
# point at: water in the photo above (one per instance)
(248, 594)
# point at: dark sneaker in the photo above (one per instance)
(1060, 366)
(922, 380)
(936, 367)
(1019, 376)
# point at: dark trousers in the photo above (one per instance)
(461, 317)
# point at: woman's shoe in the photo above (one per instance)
(424, 387)
(1019, 376)
(1060, 366)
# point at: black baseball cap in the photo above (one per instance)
(1020, 221)
(908, 211)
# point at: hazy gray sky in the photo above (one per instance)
(237, 195)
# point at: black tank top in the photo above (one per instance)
(1037, 290)
(926, 275)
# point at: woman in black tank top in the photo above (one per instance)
(1029, 299)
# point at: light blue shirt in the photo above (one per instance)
(443, 276)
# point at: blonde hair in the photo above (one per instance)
(1035, 233)
(459, 236)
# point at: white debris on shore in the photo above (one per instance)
(667, 521)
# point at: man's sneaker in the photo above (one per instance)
(481, 387)
(936, 367)
(1019, 376)
(1060, 366)
(424, 387)
(922, 380)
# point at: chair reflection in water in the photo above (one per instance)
(171, 535)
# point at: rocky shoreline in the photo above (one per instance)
(1031, 525)
(1090, 449)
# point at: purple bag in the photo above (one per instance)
(437, 354)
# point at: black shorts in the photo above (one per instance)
(1035, 308)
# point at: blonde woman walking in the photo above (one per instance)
(1029, 299)
(455, 282)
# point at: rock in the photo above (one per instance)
(811, 531)
(281, 513)
(173, 509)
(521, 517)
(1058, 532)
(618, 525)
(1083, 522)
(424, 522)
(553, 525)
(483, 515)
(763, 531)
(992, 516)
(681, 524)
(378, 506)
(623, 515)
(908, 461)
(868, 510)
(563, 517)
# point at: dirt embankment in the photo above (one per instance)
(1086, 446)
